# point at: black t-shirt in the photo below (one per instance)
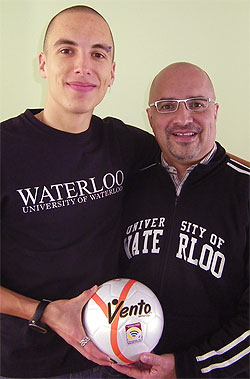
(61, 203)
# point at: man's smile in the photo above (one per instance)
(81, 86)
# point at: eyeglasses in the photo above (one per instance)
(194, 104)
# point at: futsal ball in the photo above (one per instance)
(123, 318)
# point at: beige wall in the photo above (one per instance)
(149, 34)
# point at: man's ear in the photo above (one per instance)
(42, 65)
(148, 110)
(216, 108)
(112, 74)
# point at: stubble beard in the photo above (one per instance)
(183, 152)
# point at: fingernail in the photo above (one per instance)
(144, 358)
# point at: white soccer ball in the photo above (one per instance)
(124, 318)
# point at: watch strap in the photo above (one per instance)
(34, 322)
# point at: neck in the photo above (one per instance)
(65, 121)
(180, 167)
(181, 170)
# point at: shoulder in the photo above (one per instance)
(11, 121)
(132, 139)
(150, 177)
(119, 126)
(22, 119)
(236, 178)
(230, 164)
(10, 128)
(235, 158)
(238, 164)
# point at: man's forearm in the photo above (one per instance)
(14, 304)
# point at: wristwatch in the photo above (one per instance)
(34, 322)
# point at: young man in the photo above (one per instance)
(63, 175)
(186, 235)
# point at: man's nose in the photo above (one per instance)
(82, 65)
(183, 115)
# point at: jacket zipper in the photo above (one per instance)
(166, 247)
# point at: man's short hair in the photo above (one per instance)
(76, 8)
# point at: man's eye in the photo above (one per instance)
(167, 106)
(98, 55)
(66, 51)
(196, 104)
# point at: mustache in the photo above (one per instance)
(191, 127)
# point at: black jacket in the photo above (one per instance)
(193, 252)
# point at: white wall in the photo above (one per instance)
(149, 34)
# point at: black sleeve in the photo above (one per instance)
(146, 150)
(225, 354)
(138, 148)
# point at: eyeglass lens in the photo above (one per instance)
(197, 105)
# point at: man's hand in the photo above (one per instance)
(65, 318)
(150, 366)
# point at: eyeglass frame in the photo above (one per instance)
(183, 101)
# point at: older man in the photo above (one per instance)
(186, 235)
